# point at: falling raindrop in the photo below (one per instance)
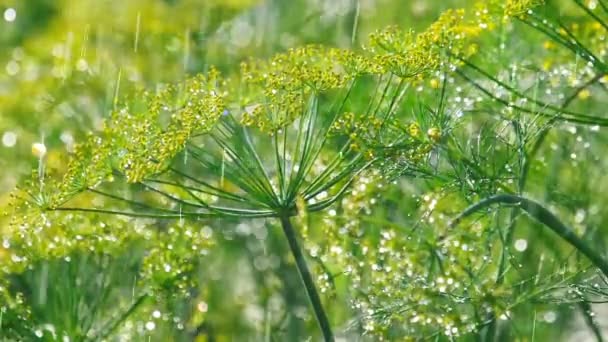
(181, 217)
(137, 28)
(186, 49)
(223, 168)
(117, 87)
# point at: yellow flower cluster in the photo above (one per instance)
(146, 145)
(515, 8)
(142, 137)
(402, 56)
(276, 90)
(407, 55)
(453, 31)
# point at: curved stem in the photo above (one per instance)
(306, 276)
(545, 217)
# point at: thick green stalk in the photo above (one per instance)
(309, 284)
(545, 217)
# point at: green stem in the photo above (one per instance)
(111, 327)
(590, 320)
(525, 168)
(306, 276)
(490, 334)
(545, 217)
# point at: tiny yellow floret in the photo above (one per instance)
(584, 94)
(434, 134)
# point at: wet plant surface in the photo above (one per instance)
(303, 170)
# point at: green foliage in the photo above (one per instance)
(169, 152)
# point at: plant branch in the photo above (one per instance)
(545, 217)
(306, 276)
(112, 326)
(587, 312)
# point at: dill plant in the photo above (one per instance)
(363, 158)
(477, 159)
(162, 143)
(569, 67)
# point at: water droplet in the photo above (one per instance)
(550, 316)
(12, 68)
(571, 129)
(9, 139)
(38, 150)
(580, 216)
(10, 14)
(82, 65)
(592, 4)
(150, 325)
(202, 307)
(521, 245)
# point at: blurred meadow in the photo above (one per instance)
(306, 170)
